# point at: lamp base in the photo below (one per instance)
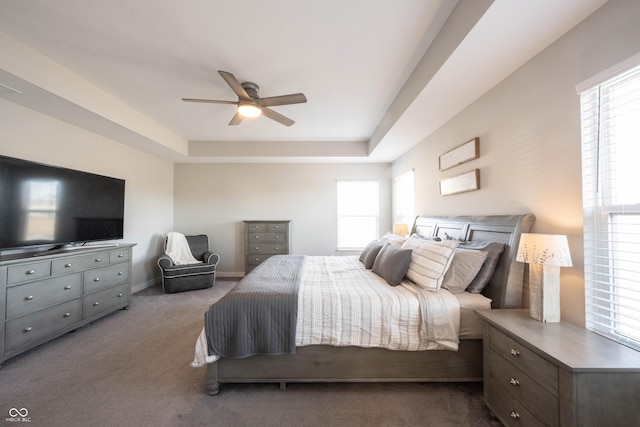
(544, 292)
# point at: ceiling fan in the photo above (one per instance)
(250, 105)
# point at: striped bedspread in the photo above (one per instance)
(340, 303)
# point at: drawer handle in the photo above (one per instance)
(66, 288)
(514, 352)
(66, 315)
(120, 295)
(31, 271)
(257, 226)
(120, 255)
(27, 329)
(514, 415)
(98, 259)
(514, 382)
(120, 273)
(95, 304)
(67, 265)
(277, 237)
(257, 259)
(257, 236)
(277, 227)
(277, 248)
(97, 279)
(29, 298)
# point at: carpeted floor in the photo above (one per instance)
(132, 368)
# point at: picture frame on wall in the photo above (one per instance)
(461, 154)
(468, 181)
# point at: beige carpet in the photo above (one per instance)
(132, 369)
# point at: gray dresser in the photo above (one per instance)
(556, 374)
(45, 296)
(264, 239)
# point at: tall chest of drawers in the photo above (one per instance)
(556, 374)
(264, 239)
(45, 296)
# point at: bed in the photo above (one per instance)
(456, 360)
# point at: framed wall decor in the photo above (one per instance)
(469, 181)
(463, 153)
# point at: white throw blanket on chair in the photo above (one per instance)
(178, 249)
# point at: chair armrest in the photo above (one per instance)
(165, 262)
(210, 258)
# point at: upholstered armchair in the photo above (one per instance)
(189, 277)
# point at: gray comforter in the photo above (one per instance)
(259, 315)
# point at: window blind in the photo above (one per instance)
(610, 116)
(403, 195)
(358, 213)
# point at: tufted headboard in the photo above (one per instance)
(505, 286)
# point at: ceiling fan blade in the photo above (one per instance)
(270, 101)
(236, 120)
(267, 112)
(234, 84)
(210, 101)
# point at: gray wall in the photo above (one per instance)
(529, 129)
(215, 198)
(33, 136)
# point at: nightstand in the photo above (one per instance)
(556, 374)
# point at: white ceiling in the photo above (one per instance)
(354, 60)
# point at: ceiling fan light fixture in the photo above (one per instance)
(247, 109)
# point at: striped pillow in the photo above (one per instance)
(430, 260)
(393, 239)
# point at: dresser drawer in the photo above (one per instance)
(28, 272)
(28, 298)
(267, 248)
(277, 226)
(267, 237)
(35, 327)
(508, 409)
(256, 227)
(105, 300)
(100, 278)
(521, 386)
(256, 259)
(526, 360)
(79, 263)
(119, 255)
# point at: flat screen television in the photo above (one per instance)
(42, 205)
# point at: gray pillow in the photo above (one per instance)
(493, 250)
(392, 263)
(369, 254)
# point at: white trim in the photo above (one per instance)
(609, 73)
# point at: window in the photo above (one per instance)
(403, 199)
(358, 213)
(610, 114)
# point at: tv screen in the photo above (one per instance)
(48, 205)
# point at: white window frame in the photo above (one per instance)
(610, 115)
(348, 214)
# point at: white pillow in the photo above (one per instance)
(393, 239)
(430, 261)
(464, 268)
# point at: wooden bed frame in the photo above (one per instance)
(355, 364)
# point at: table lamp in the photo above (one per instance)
(545, 254)
(401, 230)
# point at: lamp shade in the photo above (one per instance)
(544, 249)
(401, 229)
